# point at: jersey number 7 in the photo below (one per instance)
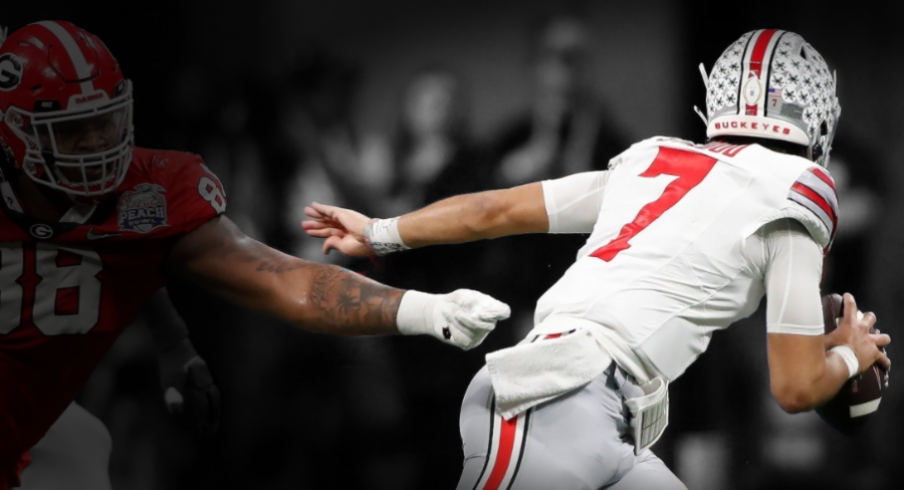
(690, 168)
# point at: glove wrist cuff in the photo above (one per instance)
(415, 313)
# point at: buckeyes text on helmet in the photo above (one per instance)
(772, 84)
(65, 109)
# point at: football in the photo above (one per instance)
(860, 396)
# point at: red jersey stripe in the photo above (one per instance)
(818, 200)
(825, 178)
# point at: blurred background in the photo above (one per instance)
(387, 106)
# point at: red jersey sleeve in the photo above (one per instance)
(168, 193)
(194, 194)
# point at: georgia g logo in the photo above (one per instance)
(10, 71)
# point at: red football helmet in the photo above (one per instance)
(65, 109)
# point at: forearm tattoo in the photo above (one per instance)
(344, 302)
(351, 300)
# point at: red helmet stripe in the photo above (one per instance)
(755, 66)
(79, 63)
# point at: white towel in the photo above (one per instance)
(531, 373)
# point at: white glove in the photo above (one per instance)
(463, 317)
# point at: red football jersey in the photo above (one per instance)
(68, 289)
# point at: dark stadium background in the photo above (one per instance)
(312, 411)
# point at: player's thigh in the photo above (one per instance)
(574, 442)
(74, 453)
(649, 472)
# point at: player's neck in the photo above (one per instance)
(45, 205)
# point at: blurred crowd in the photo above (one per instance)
(313, 411)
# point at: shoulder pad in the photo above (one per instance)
(814, 190)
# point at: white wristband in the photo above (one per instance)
(850, 358)
(383, 236)
(415, 313)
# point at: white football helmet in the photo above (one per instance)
(772, 84)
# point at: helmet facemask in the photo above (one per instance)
(84, 152)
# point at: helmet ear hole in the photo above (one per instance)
(816, 152)
(818, 149)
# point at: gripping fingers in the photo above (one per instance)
(461, 328)
(495, 310)
(456, 335)
(483, 306)
(881, 339)
(475, 328)
(868, 320)
(850, 306)
(884, 361)
(470, 321)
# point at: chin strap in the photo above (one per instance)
(706, 85)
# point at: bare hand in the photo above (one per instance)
(854, 331)
(342, 228)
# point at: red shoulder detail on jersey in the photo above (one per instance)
(170, 192)
(815, 190)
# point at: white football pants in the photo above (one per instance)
(579, 441)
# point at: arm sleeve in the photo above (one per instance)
(790, 262)
(573, 202)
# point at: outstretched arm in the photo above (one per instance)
(477, 216)
(567, 205)
(324, 298)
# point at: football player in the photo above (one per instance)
(91, 226)
(684, 239)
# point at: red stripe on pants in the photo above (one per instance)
(503, 454)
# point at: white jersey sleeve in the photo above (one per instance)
(788, 259)
(573, 202)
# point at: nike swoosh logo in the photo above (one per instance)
(91, 236)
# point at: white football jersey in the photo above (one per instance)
(664, 267)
